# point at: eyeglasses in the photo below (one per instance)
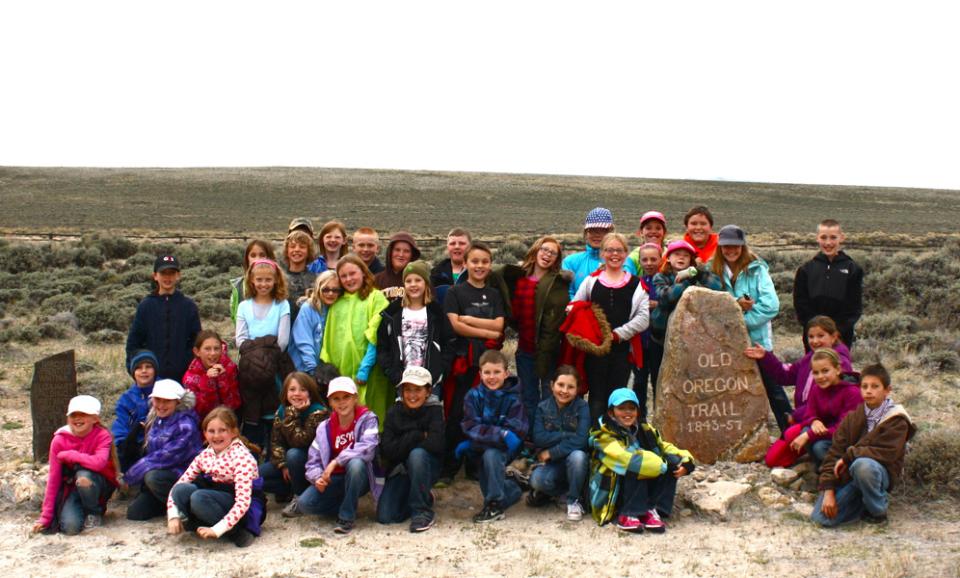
(331, 291)
(548, 252)
(610, 251)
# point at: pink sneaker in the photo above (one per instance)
(652, 523)
(629, 524)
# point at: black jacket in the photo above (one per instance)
(260, 362)
(834, 289)
(440, 342)
(406, 430)
(167, 325)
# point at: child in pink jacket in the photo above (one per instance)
(83, 473)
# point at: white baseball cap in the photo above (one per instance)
(416, 376)
(168, 389)
(341, 384)
(84, 404)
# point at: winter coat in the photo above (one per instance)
(366, 437)
(441, 275)
(561, 431)
(834, 289)
(755, 281)
(306, 338)
(388, 277)
(550, 302)
(830, 405)
(488, 415)
(172, 443)
(319, 265)
(294, 429)
(798, 374)
(619, 451)
(408, 429)
(67, 453)
(585, 263)
(212, 392)
(167, 325)
(886, 444)
(441, 342)
(260, 362)
(669, 293)
(131, 411)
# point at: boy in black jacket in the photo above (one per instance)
(166, 323)
(412, 447)
(830, 284)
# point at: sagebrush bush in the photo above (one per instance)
(59, 302)
(944, 361)
(107, 336)
(511, 252)
(933, 463)
(103, 315)
(886, 325)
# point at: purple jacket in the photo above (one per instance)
(830, 405)
(172, 443)
(798, 374)
(366, 437)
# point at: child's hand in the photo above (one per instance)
(513, 442)
(321, 484)
(174, 526)
(755, 352)
(461, 449)
(746, 303)
(680, 472)
(799, 442)
(544, 456)
(65, 457)
(206, 533)
(818, 428)
(829, 506)
(286, 474)
(839, 468)
(790, 419)
(653, 304)
(215, 370)
(38, 527)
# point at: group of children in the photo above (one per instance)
(394, 382)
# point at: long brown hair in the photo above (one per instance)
(530, 260)
(827, 324)
(739, 266)
(229, 419)
(369, 283)
(305, 381)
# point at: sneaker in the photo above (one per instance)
(444, 482)
(652, 522)
(283, 498)
(575, 512)
(629, 524)
(92, 521)
(292, 510)
(490, 513)
(537, 499)
(242, 537)
(422, 522)
(866, 518)
(343, 526)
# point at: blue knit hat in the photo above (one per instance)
(141, 355)
(622, 395)
(599, 218)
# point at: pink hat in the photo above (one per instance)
(655, 215)
(680, 245)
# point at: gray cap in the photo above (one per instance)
(731, 235)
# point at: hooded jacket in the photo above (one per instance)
(488, 415)
(388, 277)
(584, 263)
(798, 373)
(886, 444)
(260, 361)
(831, 288)
(67, 452)
(366, 437)
(132, 409)
(213, 391)
(619, 451)
(408, 429)
(172, 442)
(294, 429)
(167, 325)
(550, 302)
(441, 343)
(306, 337)
(755, 281)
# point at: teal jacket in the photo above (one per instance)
(755, 281)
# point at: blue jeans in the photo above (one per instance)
(867, 490)
(494, 485)
(152, 499)
(296, 463)
(84, 501)
(638, 496)
(203, 505)
(652, 356)
(408, 494)
(342, 494)
(818, 451)
(564, 477)
(259, 433)
(534, 390)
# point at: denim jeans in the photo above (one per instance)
(296, 463)
(259, 433)
(408, 494)
(638, 496)
(652, 356)
(818, 451)
(342, 494)
(206, 506)
(152, 499)
(534, 390)
(565, 477)
(84, 501)
(494, 484)
(867, 490)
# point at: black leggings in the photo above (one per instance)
(605, 374)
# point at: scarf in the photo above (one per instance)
(875, 415)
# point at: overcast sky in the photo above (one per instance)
(815, 92)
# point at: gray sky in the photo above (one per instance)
(814, 92)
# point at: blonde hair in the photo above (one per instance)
(229, 419)
(427, 291)
(614, 237)
(301, 238)
(322, 280)
(826, 353)
(279, 292)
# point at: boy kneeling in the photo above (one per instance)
(634, 471)
(412, 445)
(866, 456)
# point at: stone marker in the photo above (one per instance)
(711, 399)
(54, 383)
